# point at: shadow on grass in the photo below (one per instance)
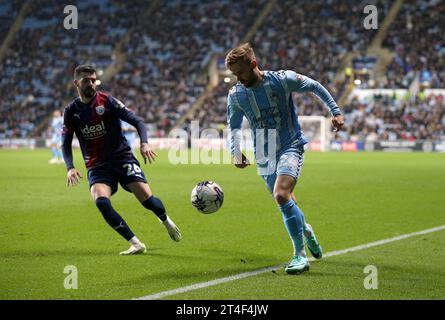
(69, 252)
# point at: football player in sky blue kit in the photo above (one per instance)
(56, 138)
(95, 117)
(265, 99)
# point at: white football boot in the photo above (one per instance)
(172, 229)
(135, 249)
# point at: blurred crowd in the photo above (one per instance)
(8, 11)
(38, 68)
(392, 118)
(417, 39)
(168, 51)
(168, 55)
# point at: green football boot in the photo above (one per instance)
(312, 243)
(297, 265)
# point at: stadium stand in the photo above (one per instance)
(383, 117)
(38, 67)
(163, 75)
(416, 38)
(8, 12)
(167, 55)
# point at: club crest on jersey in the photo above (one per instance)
(100, 110)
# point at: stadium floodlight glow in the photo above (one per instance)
(227, 79)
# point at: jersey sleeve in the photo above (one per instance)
(130, 117)
(299, 83)
(234, 120)
(67, 138)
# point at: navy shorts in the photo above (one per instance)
(123, 172)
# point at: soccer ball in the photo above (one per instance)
(207, 197)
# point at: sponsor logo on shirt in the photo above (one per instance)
(93, 132)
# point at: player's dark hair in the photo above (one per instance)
(82, 69)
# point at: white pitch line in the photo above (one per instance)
(243, 275)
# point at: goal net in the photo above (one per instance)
(316, 129)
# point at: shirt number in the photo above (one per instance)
(132, 169)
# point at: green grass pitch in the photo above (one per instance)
(349, 198)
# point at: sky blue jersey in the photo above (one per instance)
(56, 126)
(269, 105)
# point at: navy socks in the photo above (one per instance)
(113, 218)
(155, 204)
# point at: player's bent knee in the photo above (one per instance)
(103, 204)
(100, 190)
(281, 196)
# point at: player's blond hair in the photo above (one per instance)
(243, 52)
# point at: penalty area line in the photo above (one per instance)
(243, 275)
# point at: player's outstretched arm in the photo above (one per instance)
(299, 83)
(130, 117)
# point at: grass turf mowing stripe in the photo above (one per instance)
(243, 275)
